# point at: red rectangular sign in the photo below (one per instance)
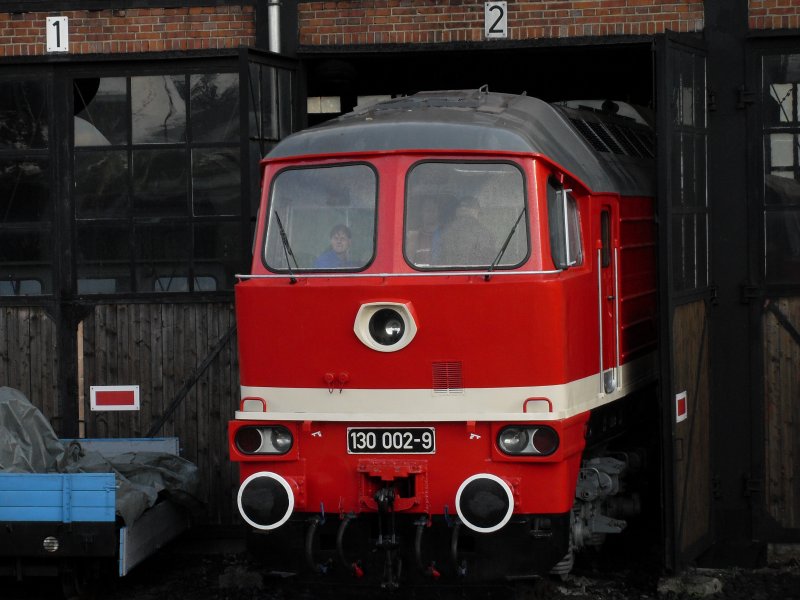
(115, 397)
(681, 407)
(124, 398)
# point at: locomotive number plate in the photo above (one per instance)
(391, 440)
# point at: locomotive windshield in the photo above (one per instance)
(465, 215)
(322, 218)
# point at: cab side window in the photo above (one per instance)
(564, 223)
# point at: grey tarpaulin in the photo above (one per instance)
(28, 444)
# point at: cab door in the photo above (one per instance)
(608, 299)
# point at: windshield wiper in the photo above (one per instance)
(287, 250)
(505, 245)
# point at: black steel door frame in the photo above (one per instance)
(57, 302)
(671, 294)
(758, 292)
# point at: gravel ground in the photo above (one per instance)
(179, 572)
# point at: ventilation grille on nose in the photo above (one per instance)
(447, 378)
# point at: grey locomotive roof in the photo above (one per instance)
(481, 120)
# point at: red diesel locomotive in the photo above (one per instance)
(450, 319)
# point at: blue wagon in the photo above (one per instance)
(58, 523)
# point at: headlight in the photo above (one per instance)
(281, 439)
(387, 326)
(264, 440)
(544, 441)
(248, 440)
(529, 440)
(513, 440)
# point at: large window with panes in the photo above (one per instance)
(157, 183)
(780, 120)
(26, 199)
(136, 179)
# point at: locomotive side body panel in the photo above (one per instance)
(417, 379)
(638, 285)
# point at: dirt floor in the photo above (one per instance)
(182, 572)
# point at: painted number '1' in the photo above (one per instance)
(57, 25)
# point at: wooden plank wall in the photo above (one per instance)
(782, 414)
(692, 436)
(28, 357)
(158, 347)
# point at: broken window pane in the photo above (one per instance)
(158, 109)
(101, 111)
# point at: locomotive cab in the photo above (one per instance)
(450, 309)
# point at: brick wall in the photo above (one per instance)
(434, 21)
(357, 22)
(774, 14)
(132, 30)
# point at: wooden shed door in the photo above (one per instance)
(684, 296)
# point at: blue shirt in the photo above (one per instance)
(330, 260)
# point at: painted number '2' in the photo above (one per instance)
(493, 28)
